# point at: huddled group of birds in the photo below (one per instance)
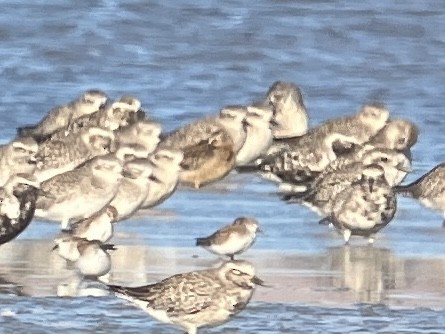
(91, 163)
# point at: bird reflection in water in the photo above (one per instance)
(368, 272)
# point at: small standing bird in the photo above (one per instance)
(232, 239)
(196, 299)
(428, 189)
(365, 207)
(91, 258)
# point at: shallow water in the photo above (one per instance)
(191, 58)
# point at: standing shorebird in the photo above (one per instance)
(59, 156)
(60, 117)
(365, 207)
(196, 299)
(91, 258)
(290, 114)
(230, 121)
(165, 177)
(232, 239)
(209, 161)
(259, 134)
(80, 193)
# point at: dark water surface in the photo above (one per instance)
(189, 58)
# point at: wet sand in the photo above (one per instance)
(341, 276)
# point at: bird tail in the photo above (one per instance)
(108, 247)
(295, 197)
(26, 131)
(34, 132)
(203, 242)
(247, 169)
(325, 221)
(405, 190)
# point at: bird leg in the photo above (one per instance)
(346, 235)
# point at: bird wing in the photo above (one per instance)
(177, 295)
(196, 155)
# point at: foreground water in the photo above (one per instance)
(189, 58)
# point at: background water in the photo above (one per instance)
(188, 59)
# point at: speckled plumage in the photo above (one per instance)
(321, 192)
(196, 299)
(60, 117)
(366, 206)
(23, 190)
(79, 193)
(429, 189)
(114, 117)
(229, 120)
(59, 156)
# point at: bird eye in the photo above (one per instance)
(384, 159)
(401, 141)
(237, 272)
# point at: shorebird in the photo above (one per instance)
(136, 104)
(429, 189)
(365, 207)
(144, 133)
(232, 239)
(290, 114)
(302, 164)
(91, 258)
(17, 205)
(80, 193)
(258, 134)
(230, 120)
(98, 227)
(397, 134)
(114, 117)
(133, 188)
(207, 162)
(319, 194)
(196, 299)
(60, 117)
(359, 128)
(59, 156)
(18, 156)
(165, 177)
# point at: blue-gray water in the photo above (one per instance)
(189, 58)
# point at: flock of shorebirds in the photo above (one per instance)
(90, 164)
